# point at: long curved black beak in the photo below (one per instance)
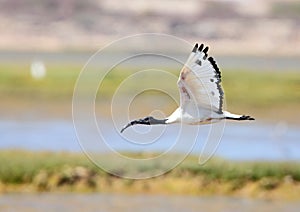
(149, 120)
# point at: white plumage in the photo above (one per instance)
(201, 94)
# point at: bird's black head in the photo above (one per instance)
(148, 120)
(151, 120)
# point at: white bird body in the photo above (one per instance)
(186, 116)
(201, 94)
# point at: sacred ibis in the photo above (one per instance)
(201, 94)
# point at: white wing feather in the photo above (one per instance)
(200, 81)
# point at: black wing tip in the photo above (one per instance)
(200, 48)
(215, 66)
(205, 50)
(218, 82)
(195, 48)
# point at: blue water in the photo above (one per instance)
(239, 142)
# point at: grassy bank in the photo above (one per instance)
(22, 171)
(257, 88)
(263, 94)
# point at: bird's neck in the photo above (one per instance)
(158, 121)
(175, 117)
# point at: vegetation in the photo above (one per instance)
(262, 88)
(261, 94)
(264, 95)
(45, 171)
(16, 82)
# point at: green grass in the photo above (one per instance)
(217, 169)
(262, 94)
(22, 171)
(16, 82)
(242, 87)
(262, 89)
(21, 167)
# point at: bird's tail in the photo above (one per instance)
(231, 116)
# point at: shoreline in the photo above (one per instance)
(46, 172)
(286, 191)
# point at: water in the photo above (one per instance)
(117, 202)
(240, 141)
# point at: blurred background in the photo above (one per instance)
(44, 44)
(237, 27)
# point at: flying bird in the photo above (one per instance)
(201, 94)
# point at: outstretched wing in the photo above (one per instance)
(200, 81)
